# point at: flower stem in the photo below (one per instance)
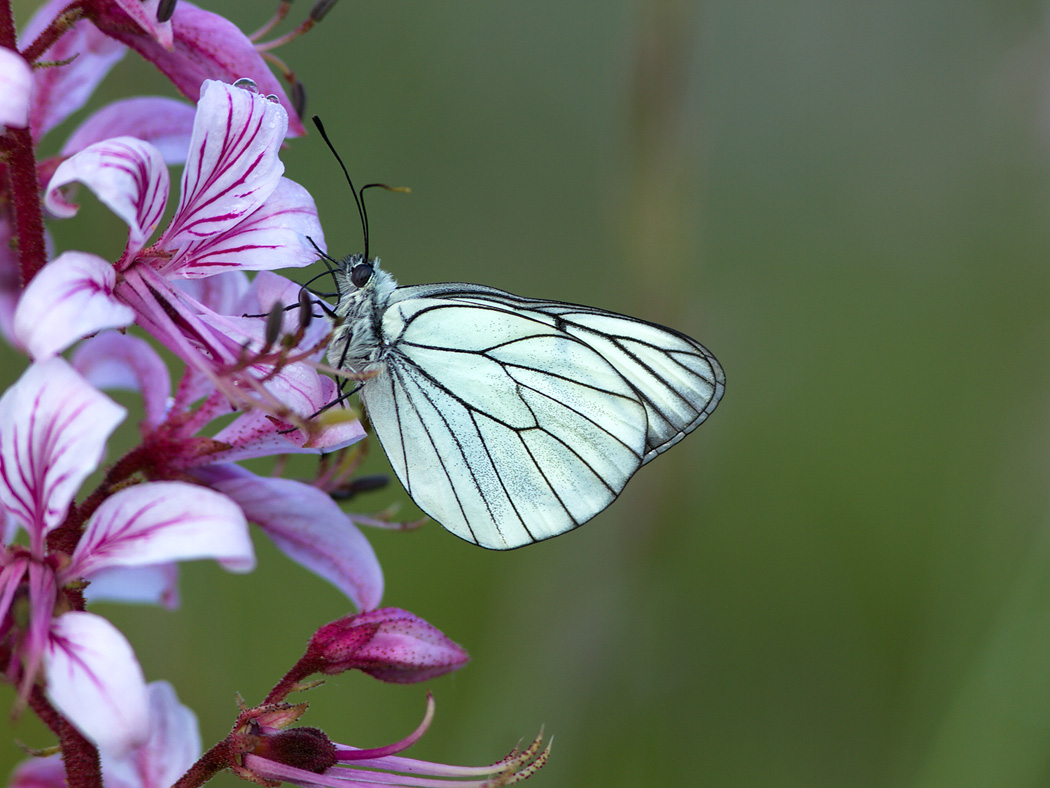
(79, 756)
(25, 189)
(210, 764)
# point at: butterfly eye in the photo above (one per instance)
(360, 274)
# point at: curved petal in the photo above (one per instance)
(16, 80)
(165, 123)
(206, 46)
(161, 522)
(233, 164)
(308, 526)
(60, 91)
(144, 585)
(121, 361)
(95, 681)
(53, 430)
(128, 175)
(273, 236)
(72, 297)
(174, 744)
(40, 773)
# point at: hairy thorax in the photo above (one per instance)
(358, 344)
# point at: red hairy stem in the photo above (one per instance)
(79, 756)
(25, 188)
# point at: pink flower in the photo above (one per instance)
(303, 521)
(193, 46)
(202, 46)
(307, 762)
(59, 91)
(236, 212)
(172, 746)
(53, 428)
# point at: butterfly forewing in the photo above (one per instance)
(510, 420)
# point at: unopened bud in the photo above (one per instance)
(389, 644)
(303, 748)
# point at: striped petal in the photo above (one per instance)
(71, 298)
(233, 164)
(53, 429)
(161, 522)
(128, 175)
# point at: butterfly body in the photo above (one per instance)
(508, 419)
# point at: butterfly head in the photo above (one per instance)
(358, 271)
(361, 281)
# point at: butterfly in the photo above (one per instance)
(510, 420)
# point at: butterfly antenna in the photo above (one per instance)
(353, 191)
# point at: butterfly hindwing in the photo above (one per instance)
(511, 420)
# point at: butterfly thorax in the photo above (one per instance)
(357, 341)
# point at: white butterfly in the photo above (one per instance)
(510, 420)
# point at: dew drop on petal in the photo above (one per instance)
(246, 84)
(273, 98)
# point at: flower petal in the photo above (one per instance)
(308, 526)
(144, 14)
(39, 773)
(72, 297)
(143, 585)
(161, 522)
(232, 167)
(16, 80)
(128, 175)
(59, 91)
(273, 236)
(53, 430)
(95, 681)
(206, 46)
(121, 361)
(174, 744)
(165, 123)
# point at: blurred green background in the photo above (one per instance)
(844, 577)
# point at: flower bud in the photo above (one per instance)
(389, 644)
(303, 748)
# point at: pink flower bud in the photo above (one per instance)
(389, 643)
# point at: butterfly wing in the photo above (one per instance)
(512, 420)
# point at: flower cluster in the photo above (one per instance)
(248, 382)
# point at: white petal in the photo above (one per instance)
(15, 82)
(95, 681)
(53, 430)
(309, 527)
(72, 297)
(232, 167)
(144, 585)
(274, 236)
(161, 522)
(173, 747)
(128, 175)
